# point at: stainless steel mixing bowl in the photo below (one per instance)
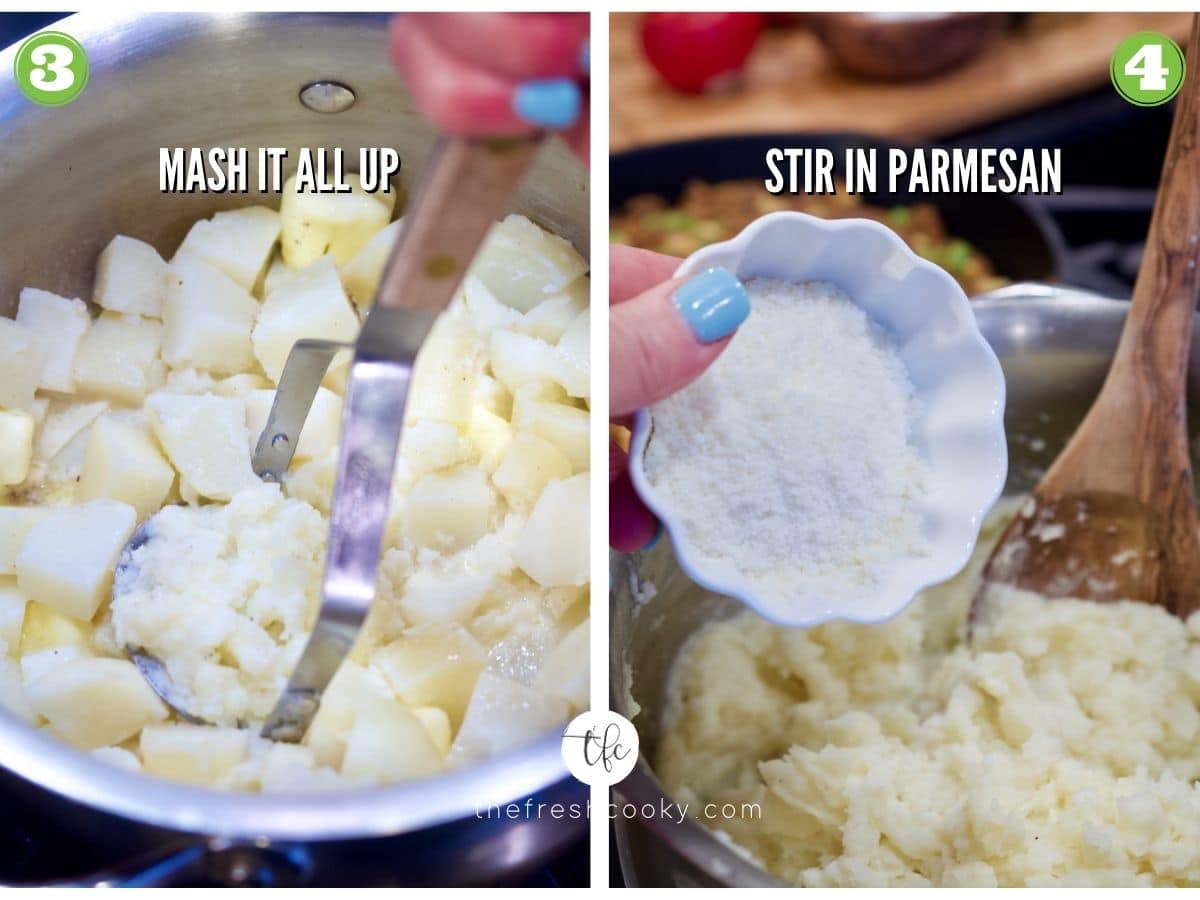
(70, 179)
(1054, 345)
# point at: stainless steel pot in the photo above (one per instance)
(1054, 345)
(71, 178)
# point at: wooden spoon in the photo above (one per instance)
(1115, 518)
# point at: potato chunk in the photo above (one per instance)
(551, 318)
(12, 615)
(448, 510)
(552, 548)
(447, 366)
(487, 314)
(287, 767)
(44, 628)
(118, 757)
(130, 278)
(21, 362)
(322, 427)
(362, 273)
(195, 754)
(123, 463)
(491, 395)
(93, 702)
(12, 693)
(428, 446)
(237, 241)
(65, 421)
(438, 596)
(206, 440)
(15, 523)
(522, 264)
(437, 724)
(49, 639)
(34, 665)
(59, 324)
(207, 317)
(277, 273)
(16, 445)
(241, 385)
(341, 224)
(566, 427)
(504, 714)
(565, 672)
(310, 304)
(352, 690)
(68, 557)
(389, 743)
(518, 359)
(574, 353)
(491, 435)
(114, 358)
(434, 665)
(529, 464)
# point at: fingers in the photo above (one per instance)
(631, 526)
(632, 270)
(487, 74)
(517, 46)
(664, 338)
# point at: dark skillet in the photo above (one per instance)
(1020, 239)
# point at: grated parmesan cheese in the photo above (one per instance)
(791, 459)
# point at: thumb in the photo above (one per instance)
(663, 339)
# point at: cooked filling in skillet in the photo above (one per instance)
(711, 212)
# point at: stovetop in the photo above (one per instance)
(36, 849)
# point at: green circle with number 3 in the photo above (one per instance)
(51, 68)
(1147, 68)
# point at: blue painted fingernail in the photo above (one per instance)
(654, 540)
(548, 103)
(714, 303)
(585, 57)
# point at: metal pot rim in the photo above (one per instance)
(375, 811)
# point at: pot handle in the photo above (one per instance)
(203, 862)
(1086, 265)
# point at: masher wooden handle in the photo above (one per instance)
(466, 186)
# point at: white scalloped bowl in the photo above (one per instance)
(956, 376)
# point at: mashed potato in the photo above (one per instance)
(1058, 748)
(152, 397)
(225, 596)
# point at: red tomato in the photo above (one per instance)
(690, 49)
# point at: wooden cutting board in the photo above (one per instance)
(792, 85)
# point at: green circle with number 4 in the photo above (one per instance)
(1147, 68)
(51, 68)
